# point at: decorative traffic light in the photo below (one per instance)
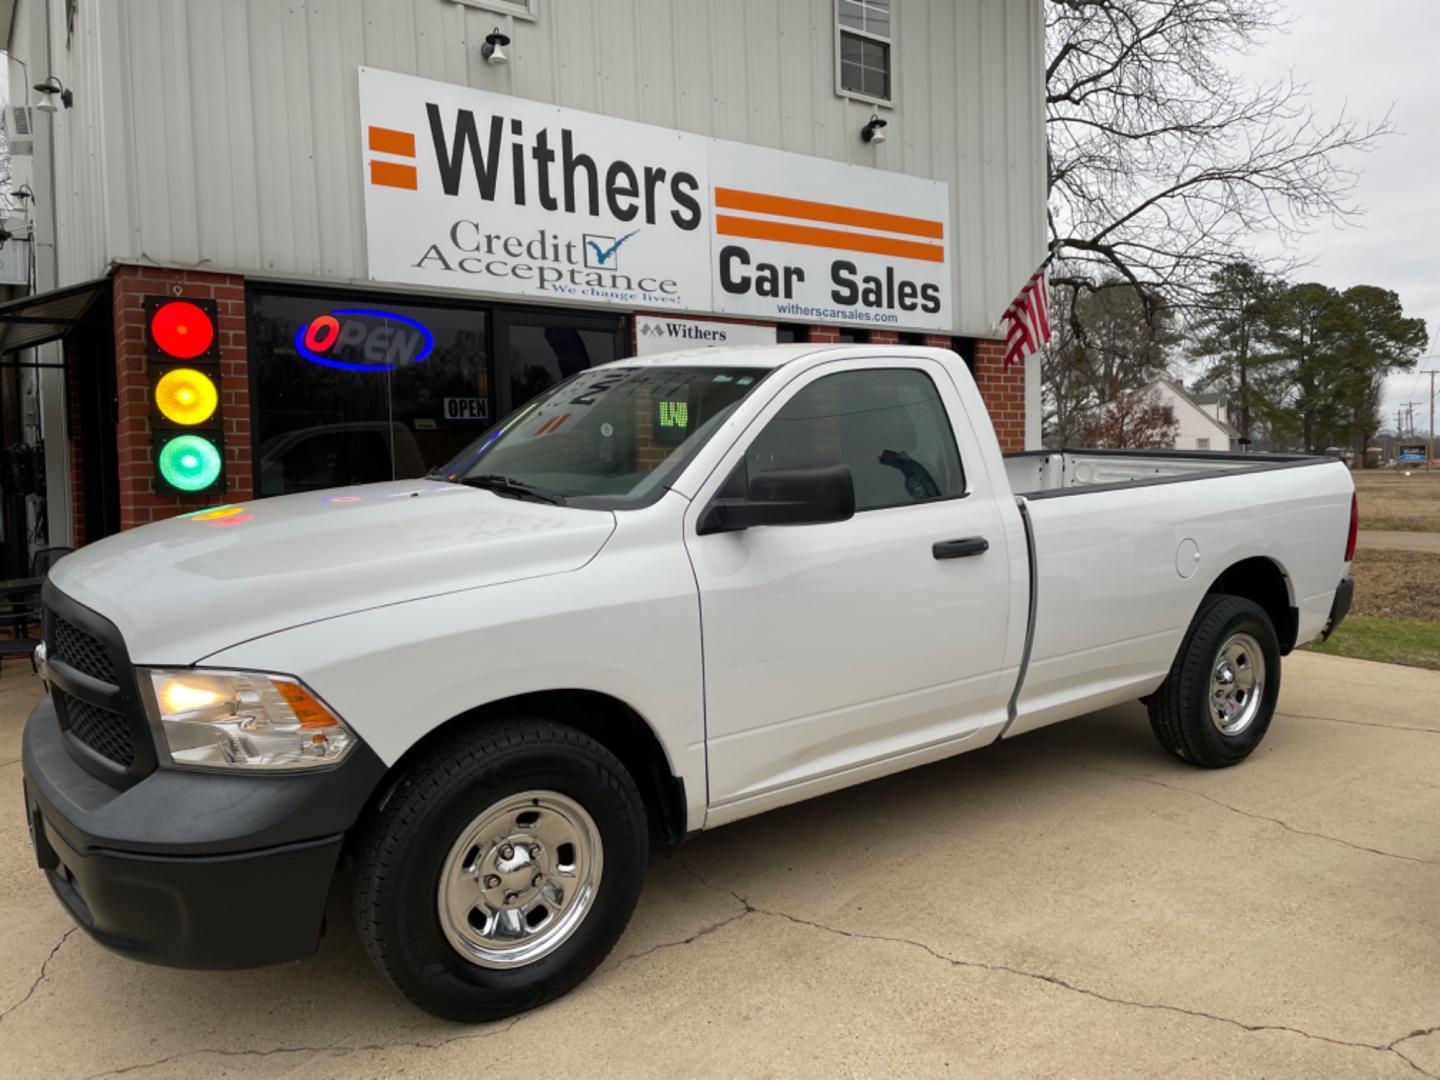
(184, 352)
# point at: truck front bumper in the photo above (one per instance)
(186, 868)
(1340, 607)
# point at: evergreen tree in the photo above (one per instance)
(1232, 325)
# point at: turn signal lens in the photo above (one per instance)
(186, 396)
(307, 710)
(189, 463)
(181, 329)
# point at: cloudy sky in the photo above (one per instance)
(1368, 57)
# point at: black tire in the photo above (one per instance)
(1180, 709)
(403, 848)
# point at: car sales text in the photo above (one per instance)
(849, 287)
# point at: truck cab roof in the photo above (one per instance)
(765, 356)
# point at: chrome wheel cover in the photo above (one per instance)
(1237, 684)
(519, 879)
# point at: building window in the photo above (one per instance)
(862, 47)
(521, 9)
(1202, 444)
(349, 390)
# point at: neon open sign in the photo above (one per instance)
(361, 339)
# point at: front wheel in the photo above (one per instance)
(1215, 705)
(501, 870)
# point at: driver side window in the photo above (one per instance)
(888, 425)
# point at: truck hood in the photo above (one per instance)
(182, 589)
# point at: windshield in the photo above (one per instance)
(609, 438)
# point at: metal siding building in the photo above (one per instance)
(225, 136)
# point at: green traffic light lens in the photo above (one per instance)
(190, 463)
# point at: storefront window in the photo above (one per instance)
(351, 391)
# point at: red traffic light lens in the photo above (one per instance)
(181, 329)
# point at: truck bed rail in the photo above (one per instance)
(1039, 474)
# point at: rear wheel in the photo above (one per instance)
(501, 870)
(1215, 705)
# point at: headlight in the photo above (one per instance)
(245, 720)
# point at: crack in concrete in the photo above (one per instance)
(44, 970)
(1057, 981)
(1362, 723)
(676, 944)
(338, 1049)
(1236, 810)
(7, 764)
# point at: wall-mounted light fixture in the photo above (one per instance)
(50, 90)
(494, 48)
(873, 131)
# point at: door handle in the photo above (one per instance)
(960, 549)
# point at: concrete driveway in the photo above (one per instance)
(1427, 542)
(1069, 904)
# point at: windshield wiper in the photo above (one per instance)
(514, 489)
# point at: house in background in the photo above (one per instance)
(1203, 418)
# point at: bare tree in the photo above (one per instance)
(1163, 163)
(1124, 346)
(1134, 419)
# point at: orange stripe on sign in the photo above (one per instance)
(780, 206)
(755, 229)
(390, 141)
(388, 174)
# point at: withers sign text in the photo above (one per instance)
(473, 190)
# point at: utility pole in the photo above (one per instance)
(1430, 442)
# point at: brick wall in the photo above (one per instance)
(139, 502)
(1003, 390)
(77, 447)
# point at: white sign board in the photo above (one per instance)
(658, 334)
(473, 190)
(780, 253)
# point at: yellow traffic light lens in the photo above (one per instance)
(186, 396)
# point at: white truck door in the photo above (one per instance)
(842, 650)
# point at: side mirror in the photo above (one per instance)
(807, 495)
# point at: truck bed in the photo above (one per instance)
(1045, 473)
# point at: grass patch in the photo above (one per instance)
(1414, 642)
(1396, 584)
(1392, 501)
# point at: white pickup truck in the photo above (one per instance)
(668, 593)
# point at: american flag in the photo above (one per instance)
(1027, 319)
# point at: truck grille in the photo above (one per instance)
(97, 700)
(84, 652)
(107, 733)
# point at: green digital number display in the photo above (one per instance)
(674, 414)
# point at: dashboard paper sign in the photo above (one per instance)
(467, 189)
